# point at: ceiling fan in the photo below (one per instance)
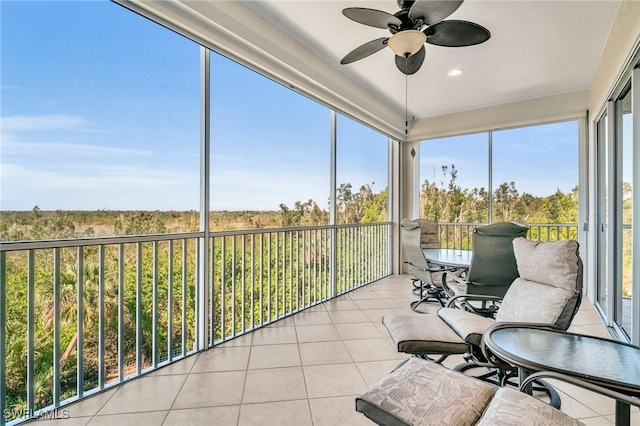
(417, 22)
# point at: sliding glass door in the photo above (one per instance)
(623, 287)
(602, 167)
(617, 139)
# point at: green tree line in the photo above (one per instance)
(446, 201)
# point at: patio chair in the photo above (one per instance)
(493, 265)
(427, 278)
(548, 291)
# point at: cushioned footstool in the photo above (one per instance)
(423, 393)
(436, 333)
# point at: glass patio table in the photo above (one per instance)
(606, 363)
(449, 257)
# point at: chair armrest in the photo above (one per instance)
(581, 383)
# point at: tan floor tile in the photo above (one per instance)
(316, 353)
(91, 405)
(374, 371)
(147, 393)
(339, 317)
(340, 304)
(227, 415)
(317, 333)
(371, 303)
(375, 315)
(131, 419)
(597, 421)
(591, 330)
(211, 389)
(373, 350)
(182, 366)
(392, 294)
(405, 302)
(244, 340)
(71, 421)
(317, 308)
(600, 404)
(359, 330)
(285, 413)
(274, 335)
(333, 380)
(381, 328)
(574, 408)
(362, 293)
(274, 384)
(274, 356)
(283, 322)
(222, 359)
(312, 318)
(335, 411)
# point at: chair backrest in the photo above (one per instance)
(410, 240)
(549, 288)
(493, 266)
(429, 233)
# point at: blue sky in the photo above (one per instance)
(100, 110)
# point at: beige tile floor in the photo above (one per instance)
(302, 370)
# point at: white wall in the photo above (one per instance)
(619, 49)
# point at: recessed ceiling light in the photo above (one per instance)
(456, 72)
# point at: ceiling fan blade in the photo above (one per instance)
(371, 17)
(456, 34)
(412, 64)
(365, 50)
(433, 11)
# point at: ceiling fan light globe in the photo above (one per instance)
(406, 43)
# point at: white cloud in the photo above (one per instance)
(21, 123)
(11, 145)
(16, 140)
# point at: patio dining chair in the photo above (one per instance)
(548, 291)
(427, 277)
(493, 266)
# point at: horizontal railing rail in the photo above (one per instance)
(459, 235)
(79, 316)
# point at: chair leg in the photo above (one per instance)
(503, 377)
(426, 357)
(432, 293)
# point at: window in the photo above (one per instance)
(535, 174)
(269, 150)
(454, 179)
(533, 178)
(99, 112)
(362, 170)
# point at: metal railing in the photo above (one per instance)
(78, 316)
(459, 235)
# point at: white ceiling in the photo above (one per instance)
(537, 48)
